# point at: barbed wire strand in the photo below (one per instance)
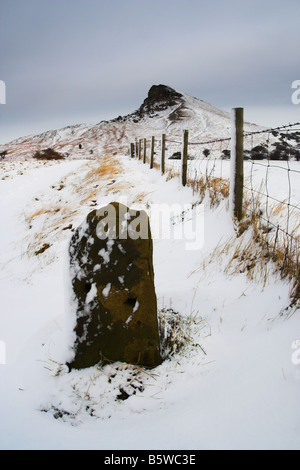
(215, 148)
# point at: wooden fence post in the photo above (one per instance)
(237, 163)
(132, 150)
(145, 151)
(152, 152)
(163, 153)
(136, 149)
(140, 149)
(184, 157)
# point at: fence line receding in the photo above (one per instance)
(259, 170)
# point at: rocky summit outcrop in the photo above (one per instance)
(160, 98)
(113, 289)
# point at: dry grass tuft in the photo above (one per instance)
(217, 189)
(178, 332)
(93, 194)
(263, 248)
(107, 168)
(43, 212)
(47, 223)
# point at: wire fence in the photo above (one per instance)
(208, 161)
(205, 159)
(271, 176)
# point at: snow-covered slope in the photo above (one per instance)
(164, 111)
(235, 384)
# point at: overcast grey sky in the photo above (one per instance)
(72, 61)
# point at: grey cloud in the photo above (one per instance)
(76, 58)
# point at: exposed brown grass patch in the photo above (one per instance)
(266, 248)
(171, 173)
(91, 196)
(215, 188)
(141, 197)
(156, 165)
(62, 214)
(107, 168)
(43, 212)
(118, 187)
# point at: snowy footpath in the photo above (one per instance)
(234, 385)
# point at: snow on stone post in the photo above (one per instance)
(163, 153)
(237, 163)
(184, 157)
(114, 304)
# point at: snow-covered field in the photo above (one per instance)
(236, 383)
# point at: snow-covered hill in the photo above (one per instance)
(165, 110)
